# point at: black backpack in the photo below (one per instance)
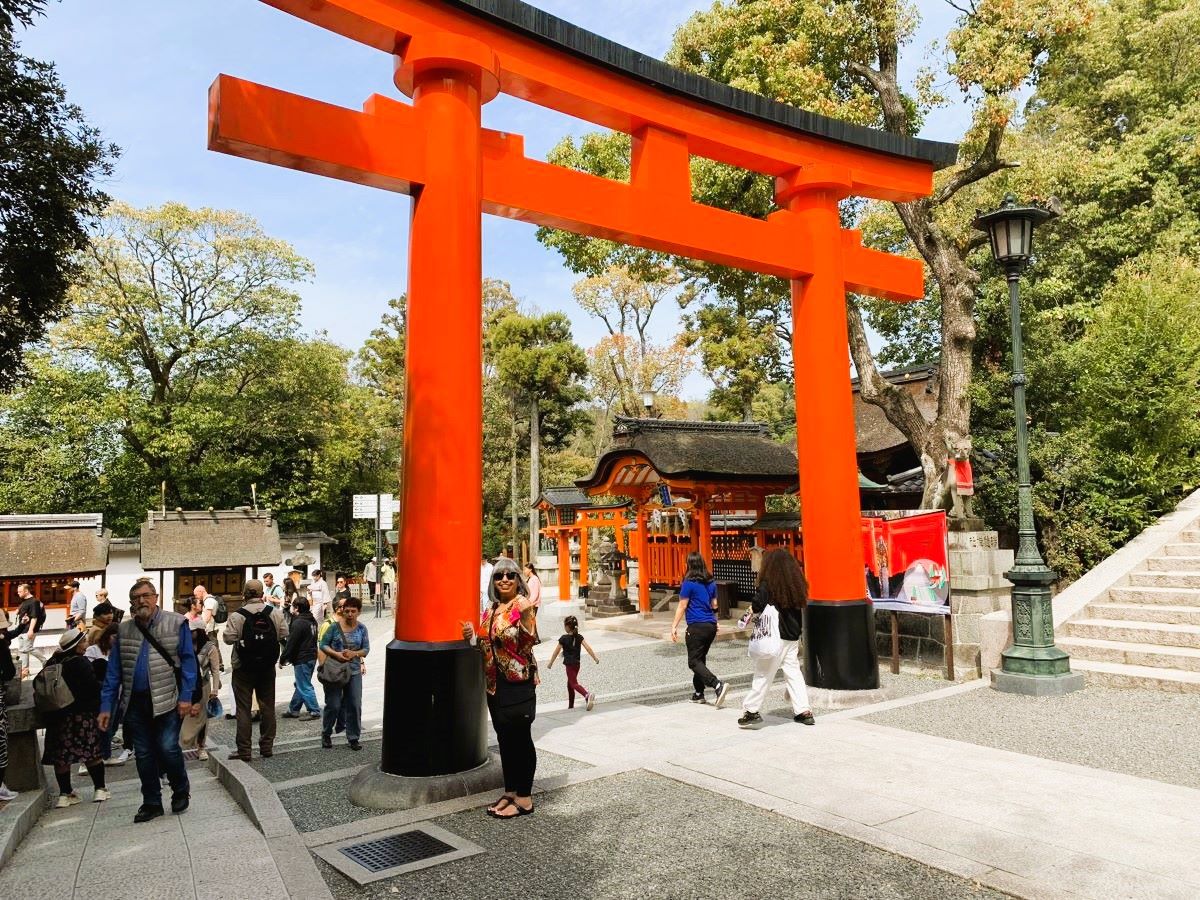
(259, 647)
(221, 616)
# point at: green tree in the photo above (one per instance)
(841, 59)
(541, 368)
(185, 312)
(50, 162)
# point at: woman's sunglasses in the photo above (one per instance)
(505, 576)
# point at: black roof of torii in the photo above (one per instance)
(541, 26)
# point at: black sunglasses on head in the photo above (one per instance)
(505, 576)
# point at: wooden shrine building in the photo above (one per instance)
(678, 475)
(570, 516)
(46, 551)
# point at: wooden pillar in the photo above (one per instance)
(704, 528)
(564, 567)
(643, 551)
(840, 633)
(583, 555)
(619, 537)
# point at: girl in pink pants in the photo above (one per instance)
(569, 645)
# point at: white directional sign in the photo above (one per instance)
(367, 505)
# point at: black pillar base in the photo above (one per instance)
(839, 645)
(434, 715)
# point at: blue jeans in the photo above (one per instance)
(304, 694)
(344, 701)
(156, 749)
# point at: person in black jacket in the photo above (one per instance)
(781, 584)
(72, 733)
(301, 652)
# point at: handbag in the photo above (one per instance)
(334, 672)
(215, 708)
(765, 643)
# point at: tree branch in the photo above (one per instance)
(898, 406)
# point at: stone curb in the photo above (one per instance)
(18, 819)
(258, 800)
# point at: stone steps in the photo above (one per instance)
(1175, 563)
(1130, 653)
(1136, 632)
(1144, 612)
(1121, 675)
(1161, 596)
(1190, 535)
(1181, 549)
(1165, 579)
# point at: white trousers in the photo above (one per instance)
(787, 659)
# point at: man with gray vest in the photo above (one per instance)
(256, 631)
(151, 681)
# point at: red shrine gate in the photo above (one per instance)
(451, 57)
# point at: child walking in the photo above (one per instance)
(570, 644)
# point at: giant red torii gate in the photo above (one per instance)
(452, 56)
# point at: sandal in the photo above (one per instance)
(499, 805)
(521, 811)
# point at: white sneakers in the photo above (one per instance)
(591, 701)
(202, 755)
(102, 794)
(6, 794)
(65, 800)
(118, 759)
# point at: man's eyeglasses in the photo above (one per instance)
(505, 576)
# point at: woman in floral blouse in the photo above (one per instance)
(507, 634)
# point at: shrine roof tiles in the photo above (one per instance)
(539, 25)
(563, 497)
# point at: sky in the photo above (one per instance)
(140, 69)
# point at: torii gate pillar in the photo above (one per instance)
(434, 720)
(839, 640)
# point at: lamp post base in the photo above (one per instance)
(839, 645)
(1037, 685)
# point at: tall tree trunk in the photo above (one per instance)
(513, 485)
(535, 472)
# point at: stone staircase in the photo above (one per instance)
(1145, 630)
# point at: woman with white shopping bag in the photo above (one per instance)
(779, 607)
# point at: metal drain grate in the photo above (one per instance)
(396, 850)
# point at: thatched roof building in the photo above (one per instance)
(196, 539)
(33, 546)
(726, 452)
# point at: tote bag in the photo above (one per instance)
(765, 643)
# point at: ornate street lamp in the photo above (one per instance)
(1032, 664)
(648, 399)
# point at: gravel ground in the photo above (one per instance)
(641, 835)
(312, 760)
(1150, 734)
(322, 805)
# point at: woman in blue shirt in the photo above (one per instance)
(345, 640)
(698, 601)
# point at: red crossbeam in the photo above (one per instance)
(383, 147)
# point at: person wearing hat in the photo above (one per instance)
(72, 733)
(256, 631)
(153, 645)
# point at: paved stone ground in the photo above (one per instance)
(93, 851)
(642, 835)
(1151, 734)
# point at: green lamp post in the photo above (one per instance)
(1032, 664)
